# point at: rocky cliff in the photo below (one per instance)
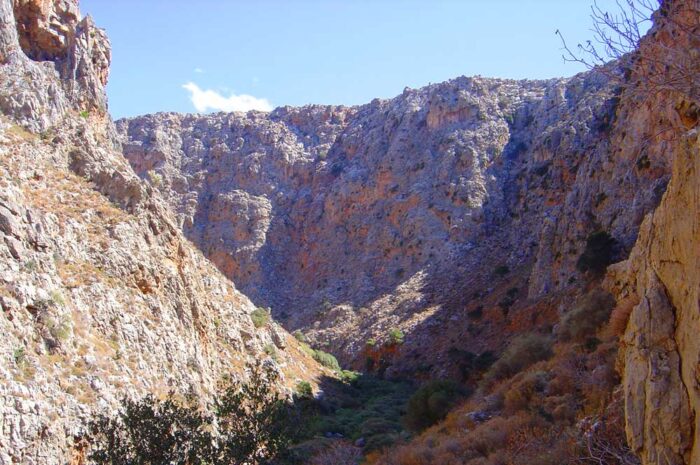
(405, 213)
(658, 286)
(405, 233)
(101, 294)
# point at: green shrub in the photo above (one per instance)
(396, 336)
(60, 328)
(598, 253)
(522, 352)
(431, 403)
(307, 349)
(299, 336)
(271, 351)
(326, 359)
(260, 317)
(501, 270)
(589, 314)
(349, 376)
(304, 390)
(20, 356)
(249, 423)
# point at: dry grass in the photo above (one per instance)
(533, 413)
(620, 315)
(18, 132)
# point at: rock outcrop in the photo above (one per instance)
(658, 287)
(101, 295)
(660, 355)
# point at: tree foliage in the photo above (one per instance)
(598, 253)
(431, 403)
(249, 423)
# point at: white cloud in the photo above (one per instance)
(206, 100)
(199, 70)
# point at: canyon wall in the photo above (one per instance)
(101, 295)
(457, 213)
(351, 221)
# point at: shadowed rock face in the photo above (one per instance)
(350, 221)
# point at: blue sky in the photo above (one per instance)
(177, 55)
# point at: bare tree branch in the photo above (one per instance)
(644, 67)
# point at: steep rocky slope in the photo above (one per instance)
(101, 295)
(524, 418)
(398, 214)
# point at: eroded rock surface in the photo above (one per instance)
(101, 296)
(351, 221)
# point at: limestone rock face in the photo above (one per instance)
(661, 348)
(660, 282)
(54, 62)
(101, 296)
(351, 221)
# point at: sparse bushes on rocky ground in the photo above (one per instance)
(544, 413)
(363, 409)
(522, 352)
(588, 314)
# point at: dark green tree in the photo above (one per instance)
(152, 432)
(256, 425)
(249, 423)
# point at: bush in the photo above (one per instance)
(304, 390)
(431, 403)
(519, 395)
(326, 359)
(250, 423)
(598, 253)
(260, 317)
(501, 270)
(20, 356)
(589, 313)
(271, 351)
(150, 431)
(522, 352)
(299, 336)
(396, 336)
